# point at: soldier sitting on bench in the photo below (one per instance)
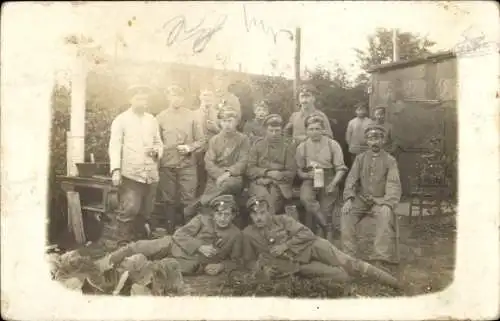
(206, 243)
(372, 188)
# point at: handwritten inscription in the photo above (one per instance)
(177, 31)
(475, 43)
(252, 22)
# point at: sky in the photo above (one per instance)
(243, 32)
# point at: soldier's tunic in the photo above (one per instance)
(178, 172)
(267, 155)
(226, 152)
(317, 256)
(296, 122)
(327, 153)
(254, 129)
(374, 178)
(355, 135)
(184, 245)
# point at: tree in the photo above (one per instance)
(380, 47)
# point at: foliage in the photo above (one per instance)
(380, 47)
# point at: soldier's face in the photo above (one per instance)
(375, 141)
(273, 131)
(314, 131)
(207, 98)
(176, 100)
(361, 112)
(261, 112)
(306, 99)
(260, 216)
(223, 217)
(228, 124)
(379, 115)
(139, 102)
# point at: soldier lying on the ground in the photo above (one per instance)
(136, 275)
(208, 242)
(281, 238)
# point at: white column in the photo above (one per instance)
(76, 135)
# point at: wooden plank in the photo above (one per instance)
(75, 217)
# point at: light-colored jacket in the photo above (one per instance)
(132, 135)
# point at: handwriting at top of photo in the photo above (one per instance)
(253, 22)
(475, 42)
(179, 30)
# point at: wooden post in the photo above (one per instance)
(296, 83)
(395, 45)
(76, 136)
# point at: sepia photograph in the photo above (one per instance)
(279, 150)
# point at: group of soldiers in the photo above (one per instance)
(199, 159)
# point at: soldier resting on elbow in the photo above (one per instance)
(207, 243)
(280, 237)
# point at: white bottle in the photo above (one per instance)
(319, 178)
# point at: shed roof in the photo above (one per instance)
(407, 63)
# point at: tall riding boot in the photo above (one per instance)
(125, 232)
(170, 218)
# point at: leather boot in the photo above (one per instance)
(170, 218)
(125, 232)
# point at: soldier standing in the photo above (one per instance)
(255, 128)
(182, 135)
(355, 133)
(135, 147)
(379, 115)
(307, 99)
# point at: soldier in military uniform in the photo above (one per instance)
(271, 165)
(209, 243)
(321, 153)
(283, 238)
(379, 114)
(372, 188)
(256, 128)
(227, 155)
(307, 99)
(183, 136)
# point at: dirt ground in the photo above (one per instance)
(427, 263)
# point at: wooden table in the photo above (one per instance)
(71, 185)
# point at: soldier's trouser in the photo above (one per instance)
(341, 265)
(136, 202)
(154, 250)
(316, 201)
(178, 182)
(271, 192)
(233, 186)
(201, 172)
(383, 230)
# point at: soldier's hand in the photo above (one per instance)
(214, 269)
(263, 181)
(277, 175)
(385, 210)
(116, 178)
(279, 249)
(331, 188)
(346, 209)
(207, 250)
(221, 179)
